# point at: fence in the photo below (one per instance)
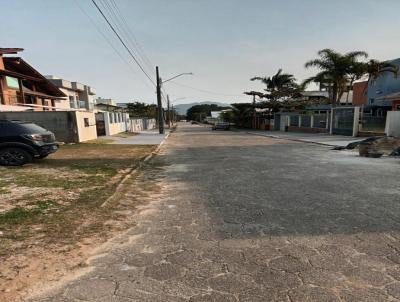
(343, 121)
(373, 123)
(307, 123)
(320, 121)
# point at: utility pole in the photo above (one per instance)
(173, 115)
(168, 113)
(159, 104)
(254, 112)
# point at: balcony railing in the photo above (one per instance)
(11, 100)
(29, 102)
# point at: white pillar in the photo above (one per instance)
(107, 122)
(331, 123)
(299, 120)
(356, 121)
(312, 121)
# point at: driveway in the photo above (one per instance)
(248, 218)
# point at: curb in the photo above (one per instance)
(292, 139)
(128, 175)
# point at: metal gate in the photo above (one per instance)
(277, 122)
(343, 121)
(100, 125)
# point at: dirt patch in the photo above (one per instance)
(51, 215)
(125, 134)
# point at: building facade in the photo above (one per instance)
(386, 84)
(22, 87)
(360, 93)
(79, 96)
(105, 101)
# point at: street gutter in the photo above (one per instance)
(133, 170)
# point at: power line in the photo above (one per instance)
(122, 28)
(123, 43)
(108, 41)
(133, 37)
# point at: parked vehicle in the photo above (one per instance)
(221, 126)
(21, 142)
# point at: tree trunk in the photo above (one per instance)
(334, 94)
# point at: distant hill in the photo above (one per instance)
(182, 108)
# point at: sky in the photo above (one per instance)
(223, 43)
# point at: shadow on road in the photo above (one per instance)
(257, 188)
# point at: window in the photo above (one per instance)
(86, 121)
(71, 101)
(12, 82)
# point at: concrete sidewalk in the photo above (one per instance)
(316, 138)
(148, 137)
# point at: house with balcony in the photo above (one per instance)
(27, 95)
(22, 87)
(78, 96)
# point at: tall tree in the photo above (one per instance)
(279, 85)
(240, 114)
(336, 70)
(375, 68)
(139, 109)
(199, 112)
(254, 94)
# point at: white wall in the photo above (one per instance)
(137, 124)
(116, 122)
(64, 103)
(150, 123)
(86, 131)
(393, 123)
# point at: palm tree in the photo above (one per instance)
(278, 82)
(375, 68)
(336, 71)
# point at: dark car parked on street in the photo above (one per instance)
(221, 126)
(21, 142)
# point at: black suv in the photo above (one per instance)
(20, 142)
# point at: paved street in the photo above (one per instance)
(248, 218)
(316, 138)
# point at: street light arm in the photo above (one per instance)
(181, 74)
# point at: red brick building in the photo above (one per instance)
(22, 87)
(360, 90)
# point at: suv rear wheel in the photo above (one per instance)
(14, 157)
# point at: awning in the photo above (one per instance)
(18, 75)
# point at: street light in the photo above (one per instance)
(181, 74)
(159, 104)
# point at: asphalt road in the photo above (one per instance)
(249, 218)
